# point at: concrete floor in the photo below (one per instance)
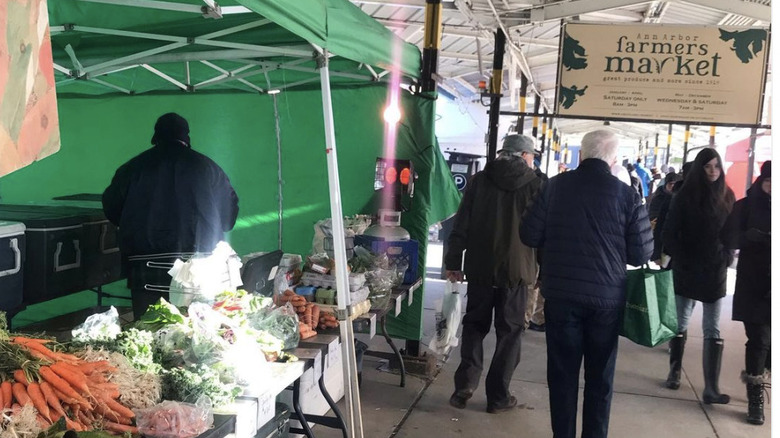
(641, 406)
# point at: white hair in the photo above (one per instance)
(601, 144)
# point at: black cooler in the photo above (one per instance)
(53, 261)
(69, 249)
(12, 247)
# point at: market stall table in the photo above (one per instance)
(315, 359)
(403, 294)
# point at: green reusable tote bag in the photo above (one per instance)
(650, 316)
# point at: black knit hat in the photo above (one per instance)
(171, 127)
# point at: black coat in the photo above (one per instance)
(487, 226)
(589, 225)
(750, 231)
(170, 199)
(695, 242)
(659, 208)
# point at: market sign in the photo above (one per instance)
(29, 128)
(707, 74)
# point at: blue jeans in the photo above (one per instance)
(574, 333)
(710, 320)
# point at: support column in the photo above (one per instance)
(712, 136)
(669, 145)
(431, 44)
(495, 94)
(655, 153)
(685, 142)
(751, 158)
(523, 93)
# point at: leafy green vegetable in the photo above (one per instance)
(188, 384)
(137, 346)
(160, 315)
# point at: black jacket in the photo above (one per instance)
(487, 226)
(659, 208)
(695, 242)
(170, 199)
(590, 226)
(749, 230)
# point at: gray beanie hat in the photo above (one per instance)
(517, 143)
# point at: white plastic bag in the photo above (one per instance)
(448, 316)
(99, 327)
(202, 277)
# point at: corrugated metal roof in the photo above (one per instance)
(469, 26)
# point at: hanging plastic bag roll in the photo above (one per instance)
(448, 316)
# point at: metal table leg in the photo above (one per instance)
(383, 325)
(305, 429)
(339, 420)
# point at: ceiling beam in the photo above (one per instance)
(755, 11)
(416, 4)
(556, 11)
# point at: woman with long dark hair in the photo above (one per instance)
(692, 236)
(750, 225)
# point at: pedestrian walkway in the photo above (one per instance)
(641, 407)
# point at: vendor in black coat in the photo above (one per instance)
(750, 224)
(692, 236)
(167, 201)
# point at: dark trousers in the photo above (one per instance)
(757, 348)
(140, 277)
(574, 332)
(509, 307)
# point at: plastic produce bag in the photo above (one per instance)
(98, 327)
(202, 277)
(171, 419)
(380, 286)
(280, 322)
(448, 316)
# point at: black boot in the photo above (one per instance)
(713, 353)
(677, 347)
(755, 395)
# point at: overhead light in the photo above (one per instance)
(392, 114)
(274, 91)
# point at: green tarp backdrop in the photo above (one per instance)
(238, 131)
(119, 67)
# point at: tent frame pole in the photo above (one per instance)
(351, 389)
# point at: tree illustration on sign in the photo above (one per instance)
(573, 54)
(568, 95)
(746, 44)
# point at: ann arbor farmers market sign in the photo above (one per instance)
(709, 74)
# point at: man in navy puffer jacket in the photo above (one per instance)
(590, 225)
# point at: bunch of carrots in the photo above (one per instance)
(62, 385)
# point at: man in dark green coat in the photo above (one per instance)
(498, 267)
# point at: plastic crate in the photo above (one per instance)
(399, 252)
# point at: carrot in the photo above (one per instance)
(6, 389)
(40, 348)
(72, 375)
(103, 409)
(40, 356)
(23, 339)
(51, 398)
(20, 377)
(73, 425)
(62, 397)
(42, 422)
(119, 428)
(38, 400)
(315, 315)
(119, 408)
(20, 394)
(63, 386)
(83, 419)
(89, 368)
